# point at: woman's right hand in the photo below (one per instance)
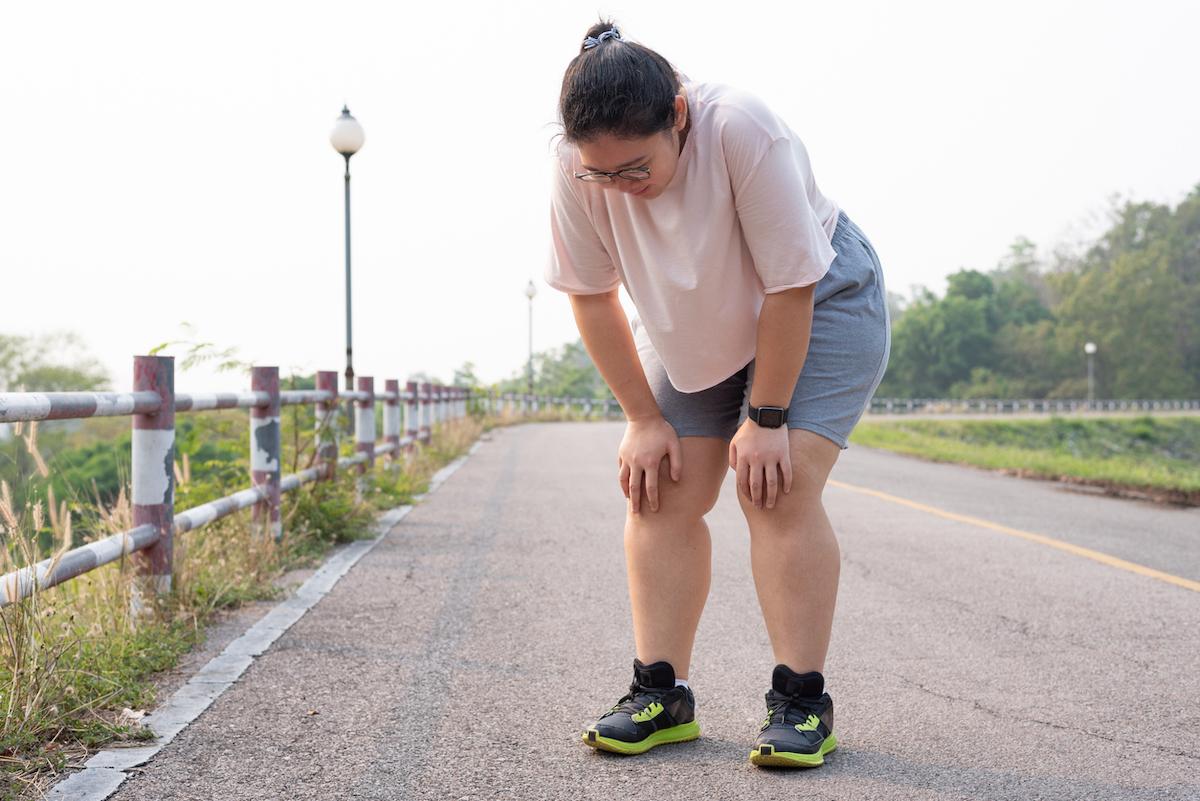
(642, 450)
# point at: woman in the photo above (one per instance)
(761, 333)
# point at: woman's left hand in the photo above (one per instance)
(759, 455)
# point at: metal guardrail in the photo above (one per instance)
(153, 403)
(932, 406)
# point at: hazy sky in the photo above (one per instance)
(167, 162)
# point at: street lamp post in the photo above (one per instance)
(1090, 349)
(530, 291)
(347, 138)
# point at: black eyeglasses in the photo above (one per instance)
(629, 174)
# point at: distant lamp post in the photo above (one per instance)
(1090, 349)
(530, 291)
(347, 138)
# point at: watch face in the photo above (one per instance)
(770, 418)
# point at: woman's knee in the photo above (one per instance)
(699, 486)
(812, 457)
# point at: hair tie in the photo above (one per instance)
(594, 41)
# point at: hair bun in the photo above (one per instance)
(600, 33)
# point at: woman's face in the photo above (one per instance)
(658, 152)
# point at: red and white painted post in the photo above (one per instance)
(364, 424)
(264, 452)
(426, 411)
(391, 417)
(412, 415)
(327, 451)
(153, 482)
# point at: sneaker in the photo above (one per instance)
(798, 729)
(653, 712)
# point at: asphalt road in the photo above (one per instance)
(460, 658)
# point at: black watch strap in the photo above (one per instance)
(768, 416)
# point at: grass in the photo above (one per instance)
(1153, 456)
(77, 669)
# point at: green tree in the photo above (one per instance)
(57, 362)
(565, 371)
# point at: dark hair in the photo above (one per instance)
(617, 87)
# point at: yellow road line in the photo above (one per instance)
(1078, 550)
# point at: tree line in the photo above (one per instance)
(1019, 330)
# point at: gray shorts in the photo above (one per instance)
(847, 356)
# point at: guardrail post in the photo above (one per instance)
(364, 425)
(327, 450)
(426, 433)
(412, 415)
(364, 431)
(391, 417)
(153, 478)
(264, 452)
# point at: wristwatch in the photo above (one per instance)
(768, 416)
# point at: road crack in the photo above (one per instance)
(1061, 726)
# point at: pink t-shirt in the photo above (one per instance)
(741, 217)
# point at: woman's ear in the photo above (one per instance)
(681, 111)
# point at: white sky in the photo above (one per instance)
(165, 162)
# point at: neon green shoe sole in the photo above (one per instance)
(676, 734)
(767, 755)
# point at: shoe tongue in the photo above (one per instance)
(656, 674)
(802, 685)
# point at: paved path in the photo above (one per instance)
(461, 656)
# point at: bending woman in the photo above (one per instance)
(761, 334)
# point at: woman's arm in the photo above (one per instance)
(649, 438)
(784, 328)
(761, 456)
(605, 331)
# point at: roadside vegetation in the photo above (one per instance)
(1157, 457)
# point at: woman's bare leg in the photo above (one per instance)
(668, 555)
(795, 557)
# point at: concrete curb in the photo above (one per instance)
(105, 771)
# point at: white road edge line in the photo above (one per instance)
(104, 772)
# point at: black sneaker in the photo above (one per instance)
(798, 729)
(653, 712)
